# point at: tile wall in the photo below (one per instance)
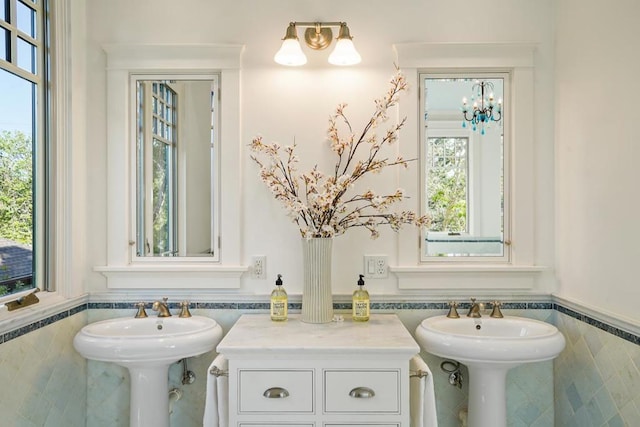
(43, 381)
(597, 377)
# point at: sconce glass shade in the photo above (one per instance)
(345, 52)
(290, 53)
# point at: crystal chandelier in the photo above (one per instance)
(484, 108)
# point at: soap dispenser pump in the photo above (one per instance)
(279, 301)
(360, 305)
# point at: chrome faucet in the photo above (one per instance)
(474, 310)
(162, 308)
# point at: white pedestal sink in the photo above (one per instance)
(489, 347)
(147, 347)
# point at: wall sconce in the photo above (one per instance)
(484, 112)
(317, 36)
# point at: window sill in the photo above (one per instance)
(178, 276)
(51, 303)
(468, 276)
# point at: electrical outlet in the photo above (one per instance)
(259, 267)
(375, 267)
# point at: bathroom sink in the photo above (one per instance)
(147, 347)
(149, 340)
(489, 347)
(509, 340)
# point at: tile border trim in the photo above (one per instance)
(23, 330)
(620, 333)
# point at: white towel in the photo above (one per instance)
(422, 395)
(216, 406)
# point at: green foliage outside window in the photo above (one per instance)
(16, 187)
(447, 184)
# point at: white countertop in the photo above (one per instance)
(382, 334)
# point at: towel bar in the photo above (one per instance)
(217, 372)
(418, 374)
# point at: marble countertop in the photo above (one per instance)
(382, 334)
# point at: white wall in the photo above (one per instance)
(597, 150)
(282, 104)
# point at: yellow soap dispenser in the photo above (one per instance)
(360, 304)
(279, 301)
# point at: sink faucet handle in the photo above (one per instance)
(495, 312)
(141, 312)
(184, 309)
(453, 313)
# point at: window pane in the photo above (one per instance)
(26, 56)
(4, 44)
(447, 184)
(161, 197)
(26, 19)
(16, 195)
(4, 11)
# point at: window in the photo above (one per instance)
(156, 163)
(23, 146)
(447, 159)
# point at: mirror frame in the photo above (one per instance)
(215, 179)
(506, 149)
(520, 272)
(122, 270)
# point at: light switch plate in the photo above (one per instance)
(375, 267)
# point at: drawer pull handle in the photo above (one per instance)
(275, 393)
(362, 393)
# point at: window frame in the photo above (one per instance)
(41, 277)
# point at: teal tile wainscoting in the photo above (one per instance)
(597, 377)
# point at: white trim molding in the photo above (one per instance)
(121, 270)
(520, 272)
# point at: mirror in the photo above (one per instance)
(175, 160)
(464, 170)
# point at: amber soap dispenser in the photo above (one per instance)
(279, 301)
(360, 304)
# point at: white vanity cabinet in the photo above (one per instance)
(338, 374)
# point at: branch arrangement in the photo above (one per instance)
(322, 204)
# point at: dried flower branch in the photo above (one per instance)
(318, 203)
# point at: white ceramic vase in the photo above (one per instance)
(317, 301)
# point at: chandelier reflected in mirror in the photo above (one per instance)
(484, 108)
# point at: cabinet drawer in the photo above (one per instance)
(362, 425)
(275, 391)
(280, 425)
(362, 391)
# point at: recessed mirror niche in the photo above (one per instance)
(175, 165)
(465, 172)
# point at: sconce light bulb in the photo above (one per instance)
(290, 53)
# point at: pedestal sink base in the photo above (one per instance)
(149, 396)
(487, 396)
